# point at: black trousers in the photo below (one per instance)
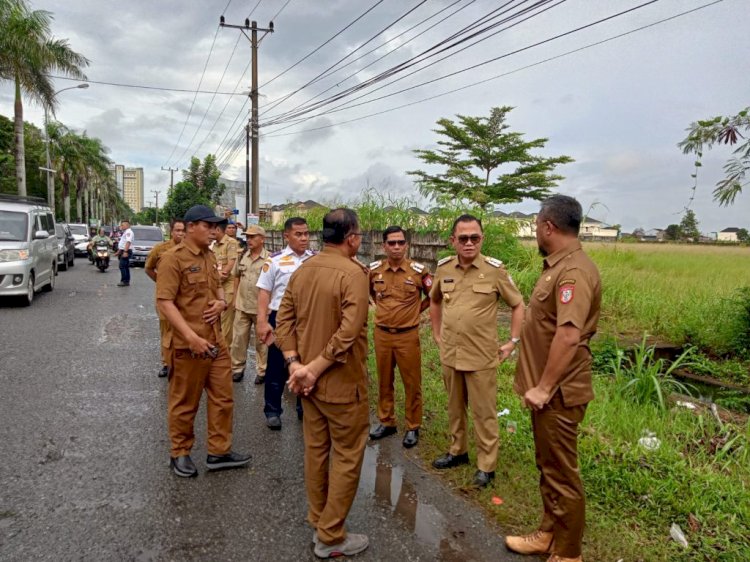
(276, 376)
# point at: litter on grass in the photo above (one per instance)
(677, 535)
(649, 441)
(504, 412)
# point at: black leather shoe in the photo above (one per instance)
(183, 466)
(274, 423)
(382, 431)
(230, 460)
(411, 438)
(449, 461)
(260, 379)
(482, 478)
(164, 371)
(238, 376)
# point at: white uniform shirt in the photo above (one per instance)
(275, 274)
(126, 237)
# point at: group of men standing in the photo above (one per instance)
(311, 311)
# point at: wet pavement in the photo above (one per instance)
(85, 473)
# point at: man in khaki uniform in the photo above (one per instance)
(246, 306)
(226, 250)
(463, 311)
(176, 235)
(321, 329)
(189, 295)
(553, 376)
(397, 285)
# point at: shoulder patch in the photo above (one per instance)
(418, 267)
(492, 261)
(375, 264)
(276, 254)
(566, 282)
(445, 260)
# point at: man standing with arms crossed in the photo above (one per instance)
(189, 295)
(553, 376)
(176, 235)
(123, 252)
(397, 285)
(322, 331)
(246, 305)
(463, 311)
(226, 251)
(274, 277)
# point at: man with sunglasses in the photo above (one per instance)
(397, 286)
(463, 311)
(553, 376)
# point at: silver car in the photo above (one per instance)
(28, 247)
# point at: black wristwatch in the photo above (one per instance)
(289, 360)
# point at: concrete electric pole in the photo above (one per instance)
(251, 202)
(171, 175)
(156, 214)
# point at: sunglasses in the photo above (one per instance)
(396, 242)
(465, 238)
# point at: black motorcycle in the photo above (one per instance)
(101, 255)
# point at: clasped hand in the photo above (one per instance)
(301, 379)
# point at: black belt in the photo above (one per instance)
(397, 330)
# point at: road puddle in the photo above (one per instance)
(384, 481)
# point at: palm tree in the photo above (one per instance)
(65, 149)
(28, 55)
(94, 166)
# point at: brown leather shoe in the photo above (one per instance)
(538, 542)
(556, 558)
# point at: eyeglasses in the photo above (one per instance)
(355, 234)
(396, 242)
(465, 238)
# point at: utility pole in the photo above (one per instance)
(156, 214)
(251, 203)
(171, 176)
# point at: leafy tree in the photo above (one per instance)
(726, 130)
(639, 233)
(181, 197)
(743, 235)
(28, 55)
(689, 227)
(471, 154)
(200, 186)
(35, 157)
(673, 232)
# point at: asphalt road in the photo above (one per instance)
(85, 470)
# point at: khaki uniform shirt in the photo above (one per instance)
(324, 312)
(469, 299)
(568, 291)
(398, 293)
(156, 253)
(225, 250)
(248, 271)
(188, 277)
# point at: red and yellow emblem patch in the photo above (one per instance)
(266, 267)
(566, 293)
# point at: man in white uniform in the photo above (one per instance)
(123, 252)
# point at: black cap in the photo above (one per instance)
(202, 213)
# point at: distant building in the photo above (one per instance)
(591, 229)
(129, 185)
(728, 235)
(654, 235)
(300, 207)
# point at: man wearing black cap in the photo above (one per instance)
(190, 296)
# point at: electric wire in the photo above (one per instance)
(514, 71)
(413, 62)
(142, 86)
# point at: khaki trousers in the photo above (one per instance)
(335, 438)
(556, 442)
(163, 325)
(188, 378)
(227, 317)
(244, 325)
(478, 390)
(402, 350)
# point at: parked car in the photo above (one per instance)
(81, 234)
(66, 247)
(28, 247)
(144, 240)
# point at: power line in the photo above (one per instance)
(285, 117)
(311, 53)
(399, 46)
(350, 53)
(538, 63)
(143, 86)
(192, 104)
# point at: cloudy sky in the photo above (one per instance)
(618, 108)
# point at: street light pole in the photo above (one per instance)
(48, 169)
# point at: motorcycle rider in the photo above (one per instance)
(101, 236)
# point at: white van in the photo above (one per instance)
(28, 247)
